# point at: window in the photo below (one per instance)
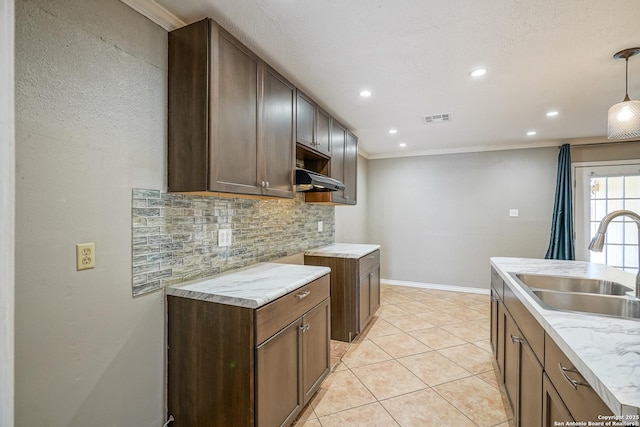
(600, 189)
(608, 194)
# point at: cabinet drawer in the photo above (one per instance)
(580, 399)
(367, 262)
(531, 329)
(277, 314)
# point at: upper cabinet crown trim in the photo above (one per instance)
(156, 13)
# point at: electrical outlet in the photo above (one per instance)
(224, 237)
(85, 256)
(320, 226)
(513, 213)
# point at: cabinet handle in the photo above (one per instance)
(571, 381)
(304, 327)
(262, 183)
(516, 339)
(303, 295)
(267, 184)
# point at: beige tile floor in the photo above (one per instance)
(425, 360)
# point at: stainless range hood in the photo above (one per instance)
(307, 180)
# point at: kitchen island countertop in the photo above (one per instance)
(250, 287)
(605, 349)
(343, 250)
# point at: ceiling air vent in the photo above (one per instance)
(437, 118)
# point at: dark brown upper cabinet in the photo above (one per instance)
(351, 169)
(338, 143)
(312, 125)
(344, 167)
(231, 117)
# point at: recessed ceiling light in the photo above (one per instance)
(365, 93)
(393, 131)
(531, 133)
(478, 72)
(402, 144)
(552, 113)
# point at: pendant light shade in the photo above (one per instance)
(624, 118)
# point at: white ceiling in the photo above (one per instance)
(416, 55)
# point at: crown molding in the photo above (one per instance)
(363, 153)
(462, 150)
(156, 13)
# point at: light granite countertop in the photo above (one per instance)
(606, 350)
(343, 250)
(250, 287)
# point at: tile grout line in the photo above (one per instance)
(364, 336)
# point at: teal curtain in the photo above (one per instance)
(561, 244)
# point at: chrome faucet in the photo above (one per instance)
(597, 243)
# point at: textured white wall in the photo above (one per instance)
(7, 204)
(440, 218)
(90, 126)
(351, 221)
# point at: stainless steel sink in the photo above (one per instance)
(572, 284)
(590, 303)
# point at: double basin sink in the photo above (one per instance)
(582, 295)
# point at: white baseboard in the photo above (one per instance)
(435, 286)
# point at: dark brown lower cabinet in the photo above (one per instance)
(542, 386)
(553, 409)
(291, 366)
(236, 366)
(493, 318)
(355, 292)
(582, 402)
(522, 377)
(369, 295)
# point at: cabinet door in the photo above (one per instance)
(554, 412)
(530, 388)
(374, 290)
(494, 323)
(277, 146)
(278, 369)
(502, 313)
(350, 169)
(364, 304)
(338, 141)
(188, 98)
(233, 153)
(316, 349)
(305, 120)
(522, 377)
(323, 132)
(511, 354)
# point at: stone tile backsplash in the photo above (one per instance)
(175, 236)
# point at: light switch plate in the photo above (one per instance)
(224, 237)
(513, 213)
(320, 226)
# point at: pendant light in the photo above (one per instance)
(624, 118)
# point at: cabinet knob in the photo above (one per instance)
(267, 184)
(303, 295)
(262, 184)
